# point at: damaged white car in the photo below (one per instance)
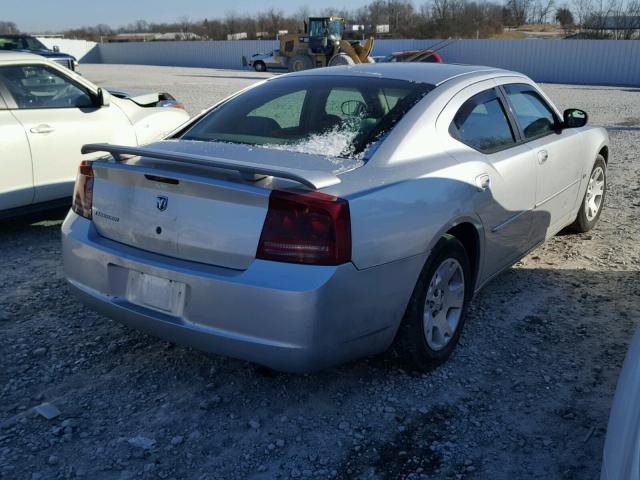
(48, 112)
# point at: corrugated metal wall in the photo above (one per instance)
(214, 54)
(601, 62)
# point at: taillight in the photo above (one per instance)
(83, 190)
(308, 227)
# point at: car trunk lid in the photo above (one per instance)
(176, 201)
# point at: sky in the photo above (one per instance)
(47, 15)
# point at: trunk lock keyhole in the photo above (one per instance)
(158, 230)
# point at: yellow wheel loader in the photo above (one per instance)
(322, 45)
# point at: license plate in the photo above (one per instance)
(156, 292)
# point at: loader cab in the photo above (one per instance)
(325, 34)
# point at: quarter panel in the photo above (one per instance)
(403, 217)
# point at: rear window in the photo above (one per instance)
(328, 115)
(20, 43)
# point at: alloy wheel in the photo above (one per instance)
(595, 193)
(444, 303)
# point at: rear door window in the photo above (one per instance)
(482, 123)
(535, 116)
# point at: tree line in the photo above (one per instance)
(405, 19)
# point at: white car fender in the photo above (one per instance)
(151, 123)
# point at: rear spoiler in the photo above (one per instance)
(310, 178)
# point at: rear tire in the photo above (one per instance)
(436, 313)
(299, 63)
(340, 60)
(593, 200)
(259, 67)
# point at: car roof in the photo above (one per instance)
(12, 56)
(432, 73)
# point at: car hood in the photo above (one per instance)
(141, 98)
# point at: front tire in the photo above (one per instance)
(340, 59)
(437, 310)
(259, 67)
(300, 62)
(593, 201)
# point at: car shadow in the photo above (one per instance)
(22, 224)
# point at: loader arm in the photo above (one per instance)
(347, 48)
(367, 48)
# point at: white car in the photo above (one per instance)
(47, 113)
(261, 62)
(621, 457)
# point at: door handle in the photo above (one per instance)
(483, 182)
(543, 156)
(42, 128)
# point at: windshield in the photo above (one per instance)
(335, 28)
(337, 116)
(20, 43)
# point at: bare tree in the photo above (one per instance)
(543, 9)
(564, 17)
(519, 10)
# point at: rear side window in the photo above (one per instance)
(482, 123)
(535, 117)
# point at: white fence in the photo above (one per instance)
(596, 62)
(78, 48)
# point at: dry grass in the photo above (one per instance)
(540, 27)
(510, 35)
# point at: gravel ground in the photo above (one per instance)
(526, 395)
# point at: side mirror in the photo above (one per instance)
(574, 118)
(56, 48)
(103, 98)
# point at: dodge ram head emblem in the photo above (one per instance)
(161, 203)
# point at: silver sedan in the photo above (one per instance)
(321, 216)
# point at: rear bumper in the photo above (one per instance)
(285, 316)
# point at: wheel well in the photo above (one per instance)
(467, 234)
(604, 151)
